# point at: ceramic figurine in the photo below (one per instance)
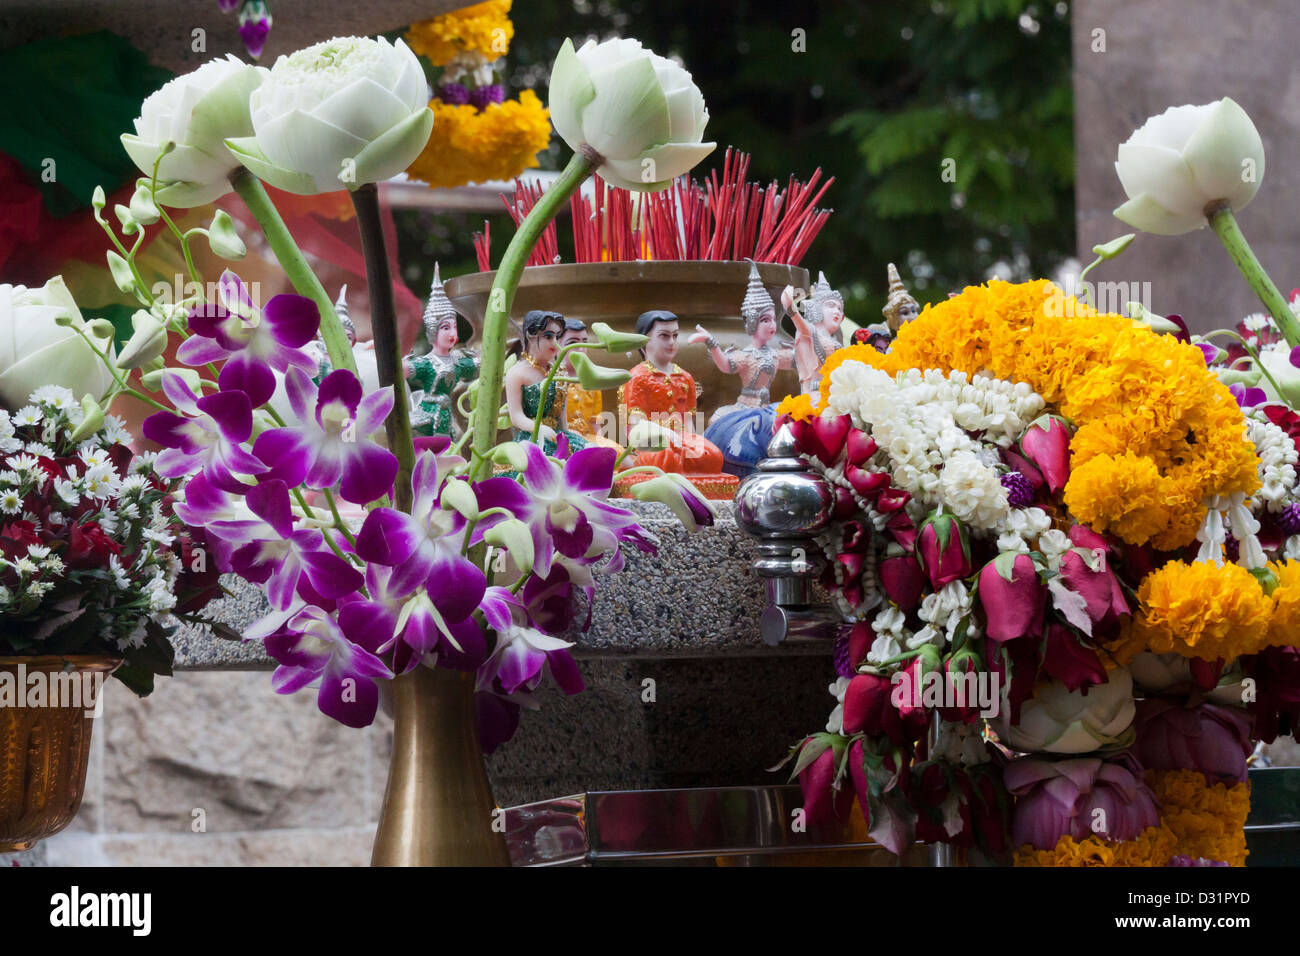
(584, 408)
(663, 392)
(316, 347)
(743, 430)
(540, 345)
(817, 330)
(899, 307)
(433, 376)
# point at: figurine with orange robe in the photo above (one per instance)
(664, 393)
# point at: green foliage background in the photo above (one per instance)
(882, 95)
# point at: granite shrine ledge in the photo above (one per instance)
(698, 597)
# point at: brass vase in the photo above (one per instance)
(438, 808)
(44, 750)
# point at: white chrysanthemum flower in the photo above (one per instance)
(1256, 321)
(55, 396)
(29, 416)
(38, 551)
(134, 483)
(115, 431)
(11, 478)
(26, 463)
(37, 448)
(25, 566)
(142, 464)
(11, 502)
(67, 492)
(120, 577)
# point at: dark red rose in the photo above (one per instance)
(1070, 661)
(932, 785)
(89, 546)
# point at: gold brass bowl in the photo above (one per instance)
(698, 291)
(44, 750)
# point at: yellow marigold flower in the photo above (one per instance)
(1124, 494)
(1284, 624)
(1203, 610)
(483, 28)
(469, 146)
(1208, 821)
(799, 406)
(1153, 847)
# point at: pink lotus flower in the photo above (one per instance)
(1013, 597)
(943, 549)
(1080, 798)
(1047, 444)
(1212, 739)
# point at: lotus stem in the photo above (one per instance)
(1224, 224)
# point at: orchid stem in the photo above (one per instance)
(502, 297)
(295, 266)
(1224, 224)
(388, 347)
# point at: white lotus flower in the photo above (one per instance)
(197, 112)
(640, 112)
(342, 113)
(1179, 162)
(1060, 721)
(1156, 673)
(35, 350)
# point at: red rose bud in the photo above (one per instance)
(1026, 467)
(1013, 597)
(1047, 444)
(903, 529)
(901, 577)
(866, 483)
(823, 805)
(859, 446)
(852, 564)
(892, 499)
(861, 637)
(845, 506)
(1206, 673)
(868, 710)
(965, 701)
(943, 549)
(909, 690)
(1069, 661)
(855, 536)
(937, 815)
(1084, 537)
(824, 437)
(1106, 603)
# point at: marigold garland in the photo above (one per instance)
(1153, 847)
(1200, 610)
(483, 28)
(468, 146)
(1208, 821)
(1132, 394)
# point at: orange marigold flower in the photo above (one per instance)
(482, 28)
(1153, 847)
(1202, 609)
(1208, 821)
(1284, 624)
(472, 146)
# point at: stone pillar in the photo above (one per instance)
(1135, 58)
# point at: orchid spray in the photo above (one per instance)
(438, 561)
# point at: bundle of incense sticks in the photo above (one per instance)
(723, 219)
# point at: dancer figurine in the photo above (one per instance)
(743, 430)
(584, 408)
(663, 393)
(900, 308)
(541, 344)
(817, 330)
(433, 376)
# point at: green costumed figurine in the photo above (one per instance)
(434, 375)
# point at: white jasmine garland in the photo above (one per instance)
(921, 421)
(1277, 464)
(835, 725)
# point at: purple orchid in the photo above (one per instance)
(564, 507)
(412, 635)
(523, 656)
(274, 553)
(206, 436)
(309, 645)
(1248, 397)
(424, 546)
(253, 345)
(331, 444)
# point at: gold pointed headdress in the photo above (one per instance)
(898, 302)
(757, 300)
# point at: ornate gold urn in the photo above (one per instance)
(44, 743)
